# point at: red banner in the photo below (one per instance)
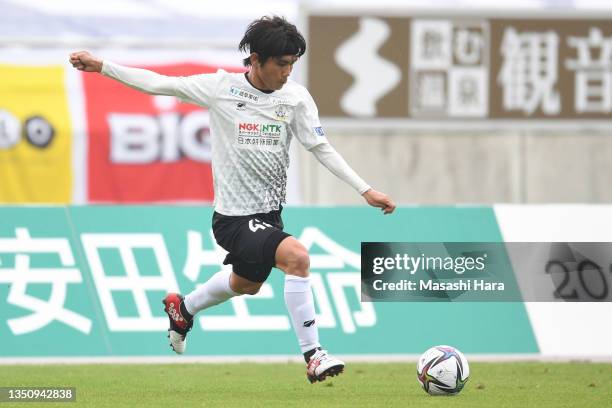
(145, 148)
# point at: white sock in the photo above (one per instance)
(300, 304)
(212, 292)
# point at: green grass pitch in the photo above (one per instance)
(386, 385)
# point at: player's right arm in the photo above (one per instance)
(137, 78)
(311, 135)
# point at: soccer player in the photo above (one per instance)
(253, 118)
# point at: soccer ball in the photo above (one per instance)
(443, 370)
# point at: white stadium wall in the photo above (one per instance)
(575, 329)
(468, 165)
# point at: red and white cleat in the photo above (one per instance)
(179, 325)
(322, 365)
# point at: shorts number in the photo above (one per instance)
(255, 225)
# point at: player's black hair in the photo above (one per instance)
(271, 36)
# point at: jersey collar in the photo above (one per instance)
(267, 92)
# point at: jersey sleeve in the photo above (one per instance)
(199, 89)
(330, 158)
(308, 127)
(196, 89)
(140, 79)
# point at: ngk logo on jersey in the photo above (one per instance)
(248, 128)
(259, 129)
(266, 135)
(145, 148)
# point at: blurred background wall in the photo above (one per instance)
(528, 139)
(469, 166)
(464, 105)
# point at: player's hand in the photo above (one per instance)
(380, 200)
(85, 61)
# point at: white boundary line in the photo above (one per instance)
(366, 358)
(119, 42)
(466, 12)
(360, 126)
(75, 95)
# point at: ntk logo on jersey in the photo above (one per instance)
(259, 129)
(259, 134)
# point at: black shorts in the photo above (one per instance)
(251, 241)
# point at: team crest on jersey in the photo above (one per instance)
(281, 112)
(241, 93)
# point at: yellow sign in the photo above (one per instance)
(35, 135)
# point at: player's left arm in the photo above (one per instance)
(310, 133)
(335, 163)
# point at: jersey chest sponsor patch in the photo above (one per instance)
(260, 135)
(244, 94)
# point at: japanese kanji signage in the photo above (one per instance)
(460, 67)
(88, 281)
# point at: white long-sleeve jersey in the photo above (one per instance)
(250, 131)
